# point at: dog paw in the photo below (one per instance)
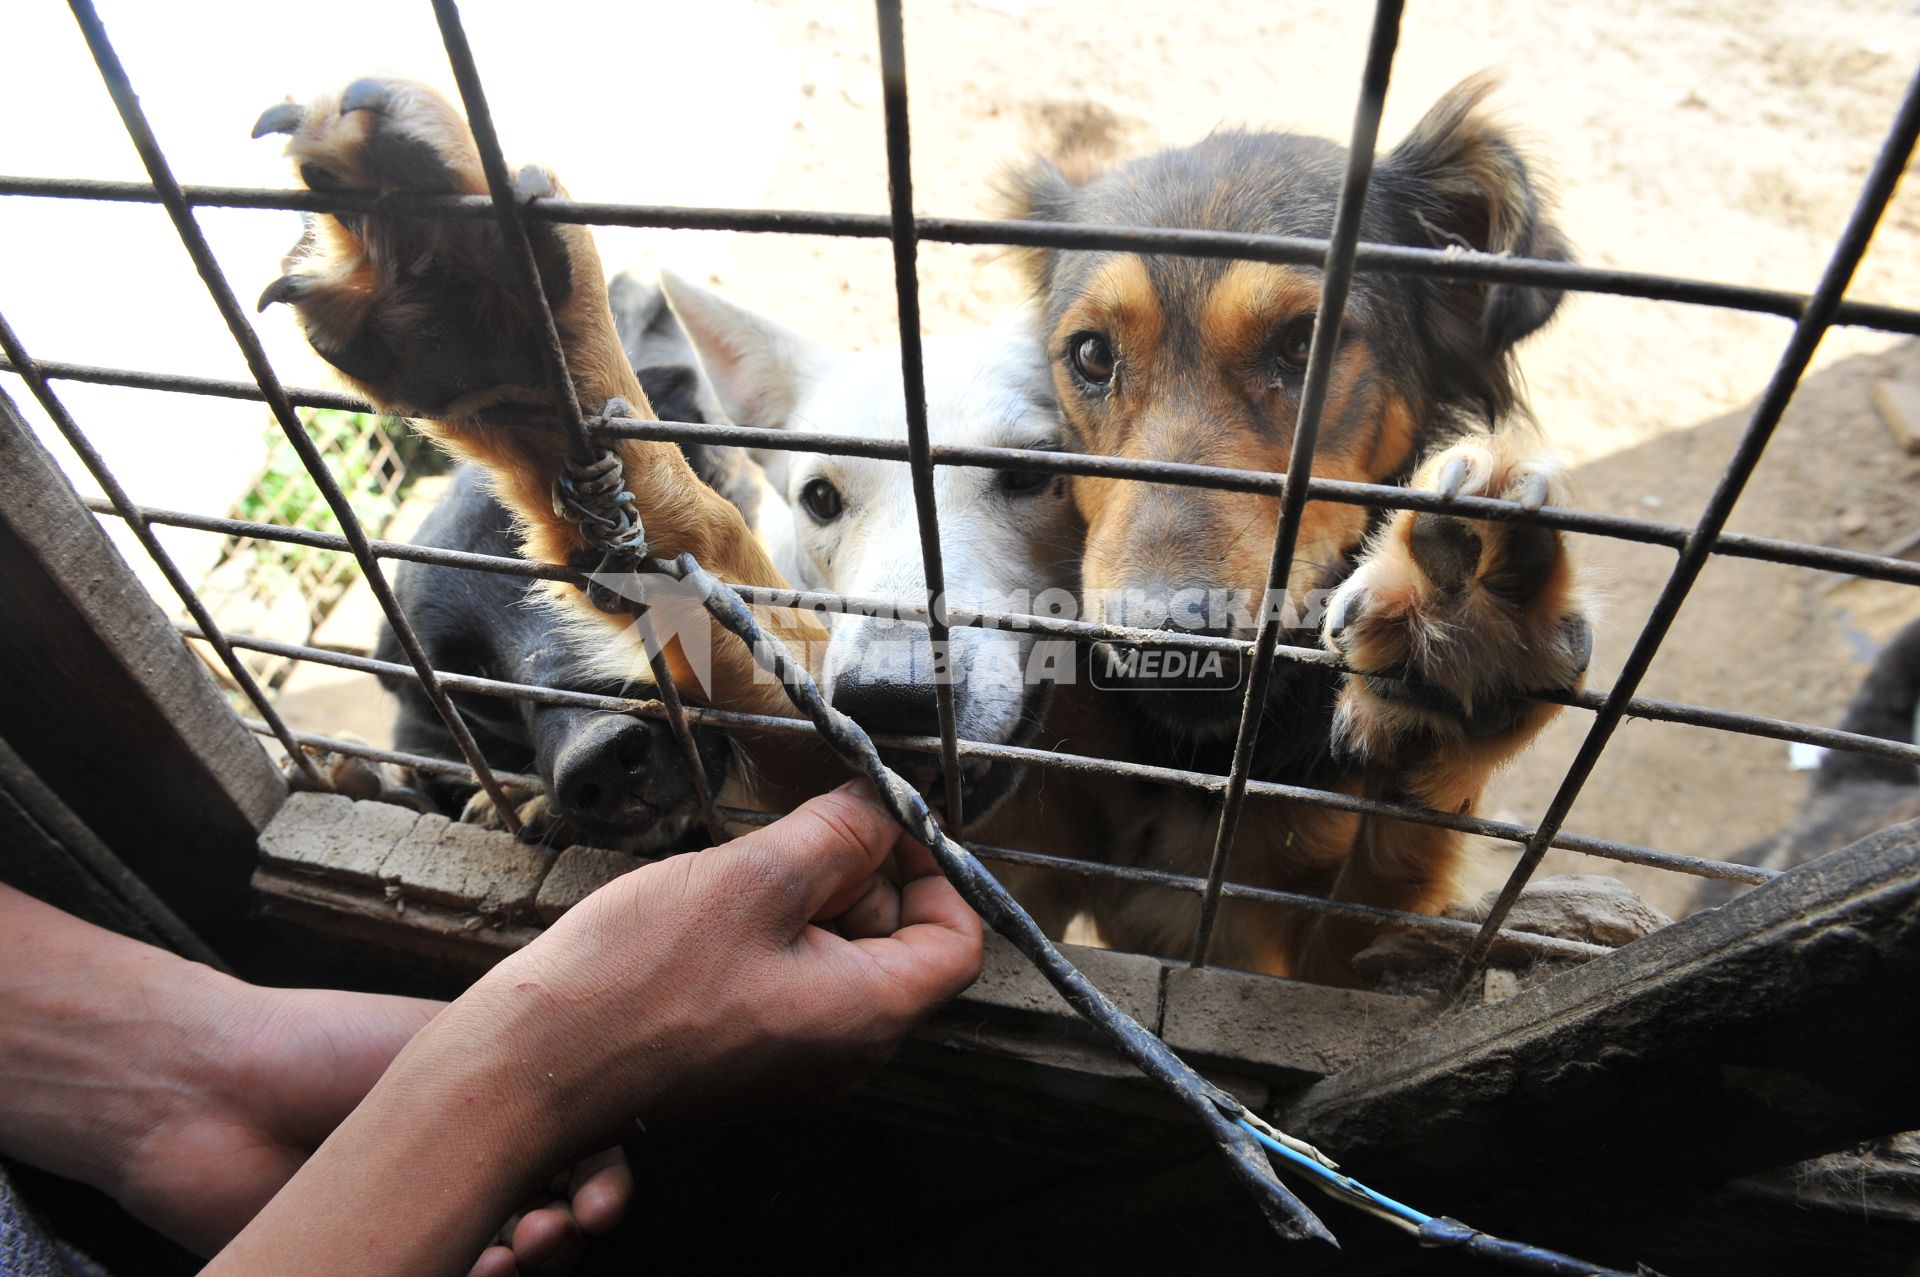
(539, 822)
(1451, 625)
(420, 313)
(358, 778)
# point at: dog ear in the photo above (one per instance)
(1471, 187)
(758, 368)
(1038, 192)
(1079, 141)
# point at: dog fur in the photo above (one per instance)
(419, 316)
(1006, 537)
(1448, 624)
(615, 780)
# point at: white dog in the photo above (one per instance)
(1009, 540)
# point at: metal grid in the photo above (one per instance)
(1339, 257)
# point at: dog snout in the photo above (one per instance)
(618, 768)
(890, 706)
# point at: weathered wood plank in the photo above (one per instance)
(455, 941)
(48, 852)
(1777, 1027)
(108, 707)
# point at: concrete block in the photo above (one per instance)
(335, 837)
(577, 874)
(1009, 982)
(1267, 1026)
(467, 867)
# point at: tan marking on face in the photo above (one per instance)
(1393, 445)
(1203, 413)
(1248, 306)
(1120, 303)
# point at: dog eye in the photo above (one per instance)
(1295, 343)
(1092, 357)
(1023, 483)
(822, 501)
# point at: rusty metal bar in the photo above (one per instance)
(508, 211)
(1201, 782)
(1335, 279)
(114, 75)
(1672, 536)
(906, 284)
(1643, 707)
(1194, 885)
(1550, 946)
(1877, 192)
(399, 758)
(1168, 241)
(513, 228)
(142, 530)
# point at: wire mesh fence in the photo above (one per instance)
(1340, 258)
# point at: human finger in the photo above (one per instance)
(876, 912)
(494, 1261)
(812, 862)
(548, 1240)
(935, 953)
(602, 1191)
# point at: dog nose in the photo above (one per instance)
(614, 761)
(892, 707)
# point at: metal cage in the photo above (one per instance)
(1340, 257)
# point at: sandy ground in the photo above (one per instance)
(1712, 139)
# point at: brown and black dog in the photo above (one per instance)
(1447, 624)
(421, 316)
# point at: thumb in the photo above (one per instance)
(824, 851)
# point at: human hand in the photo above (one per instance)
(280, 1070)
(553, 1238)
(777, 967)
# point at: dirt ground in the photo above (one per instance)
(1714, 139)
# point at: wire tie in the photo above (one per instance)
(593, 496)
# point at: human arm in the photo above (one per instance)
(192, 1097)
(690, 989)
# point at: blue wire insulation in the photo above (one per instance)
(1343, 1183)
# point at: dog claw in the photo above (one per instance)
(1340, 612)
(1453, 477)
(1533, 491)
(364, 95)
(282, 117)
(288, 288)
